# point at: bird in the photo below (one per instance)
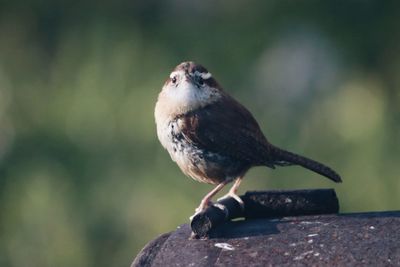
(212, 137)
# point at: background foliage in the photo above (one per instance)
(83, 179)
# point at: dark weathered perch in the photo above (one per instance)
(266, 204)
(357, 239)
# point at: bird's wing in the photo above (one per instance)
(229, 130)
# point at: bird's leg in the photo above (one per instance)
(233, 193)
(205, 202)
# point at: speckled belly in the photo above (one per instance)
(200, 164)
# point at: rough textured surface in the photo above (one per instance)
(327, 240)
(281, 203)
(265, 204)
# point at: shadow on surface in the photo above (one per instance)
(246, 228)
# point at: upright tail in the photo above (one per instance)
(283, 157)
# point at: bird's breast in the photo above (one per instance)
(194, 161)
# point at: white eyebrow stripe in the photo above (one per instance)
(174, 73)
(206, 76)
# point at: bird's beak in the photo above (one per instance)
(188, 78)
(192, 79)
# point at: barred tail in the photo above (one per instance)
(283, 157)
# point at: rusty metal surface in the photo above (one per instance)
(363, 239)
(265, 204)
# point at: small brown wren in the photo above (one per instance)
(212, 137)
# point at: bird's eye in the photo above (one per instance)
(173, 80)
(201, 81)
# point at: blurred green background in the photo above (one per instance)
(83, 179)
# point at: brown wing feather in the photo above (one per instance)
(229, 129)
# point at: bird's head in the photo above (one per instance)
(190, 86)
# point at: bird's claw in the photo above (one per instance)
(201, 208)
(234, 196)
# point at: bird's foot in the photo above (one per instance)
(234, 196)
(203, 206)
